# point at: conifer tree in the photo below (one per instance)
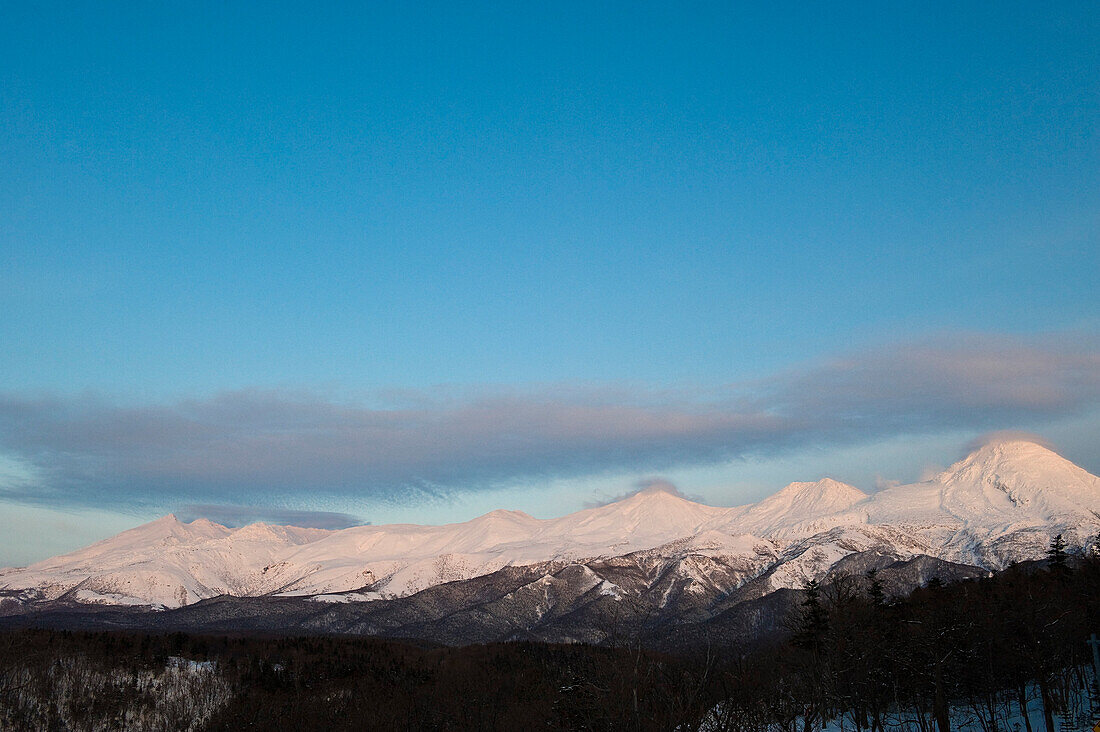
(1056, 554)
(815, 619)
(875, 590)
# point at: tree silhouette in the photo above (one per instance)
(1056, 554)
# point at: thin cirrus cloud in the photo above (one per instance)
(265, 447)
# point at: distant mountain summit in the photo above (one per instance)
(801, 508)
(1001, 503)
(1027, 474)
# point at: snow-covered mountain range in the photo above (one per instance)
(1002, 503)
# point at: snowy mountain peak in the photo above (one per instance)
(650, 516)
(503, 518)
(802, 507)
(1025, 472)
(171, 529)
(653, 499)
(261, 532)
(662, 503)
(820, 495)
(1009, 457)
(509, 514)
(1002, 501)
(657, 489)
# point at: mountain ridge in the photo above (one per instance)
(1001, 503)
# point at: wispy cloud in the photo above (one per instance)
(229, 515)
(999, 436)
(646, 485)
(247, 447)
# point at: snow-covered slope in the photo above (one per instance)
(397, 560)
(803, 509)
(1001, 503)
(164, 562)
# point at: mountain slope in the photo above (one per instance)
(1001, 503)
(802, 509)
(164, 562)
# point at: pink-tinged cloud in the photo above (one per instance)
(246, 447)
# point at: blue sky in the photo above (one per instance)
(444, 258)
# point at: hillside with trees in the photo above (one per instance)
(965, 655)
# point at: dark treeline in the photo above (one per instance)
(984, 646)
(987, 646)
(332, 683)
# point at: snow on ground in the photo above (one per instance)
(1080, 715)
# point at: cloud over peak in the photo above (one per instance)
(252, 447)
(230, 515)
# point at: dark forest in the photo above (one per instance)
(978, 651)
